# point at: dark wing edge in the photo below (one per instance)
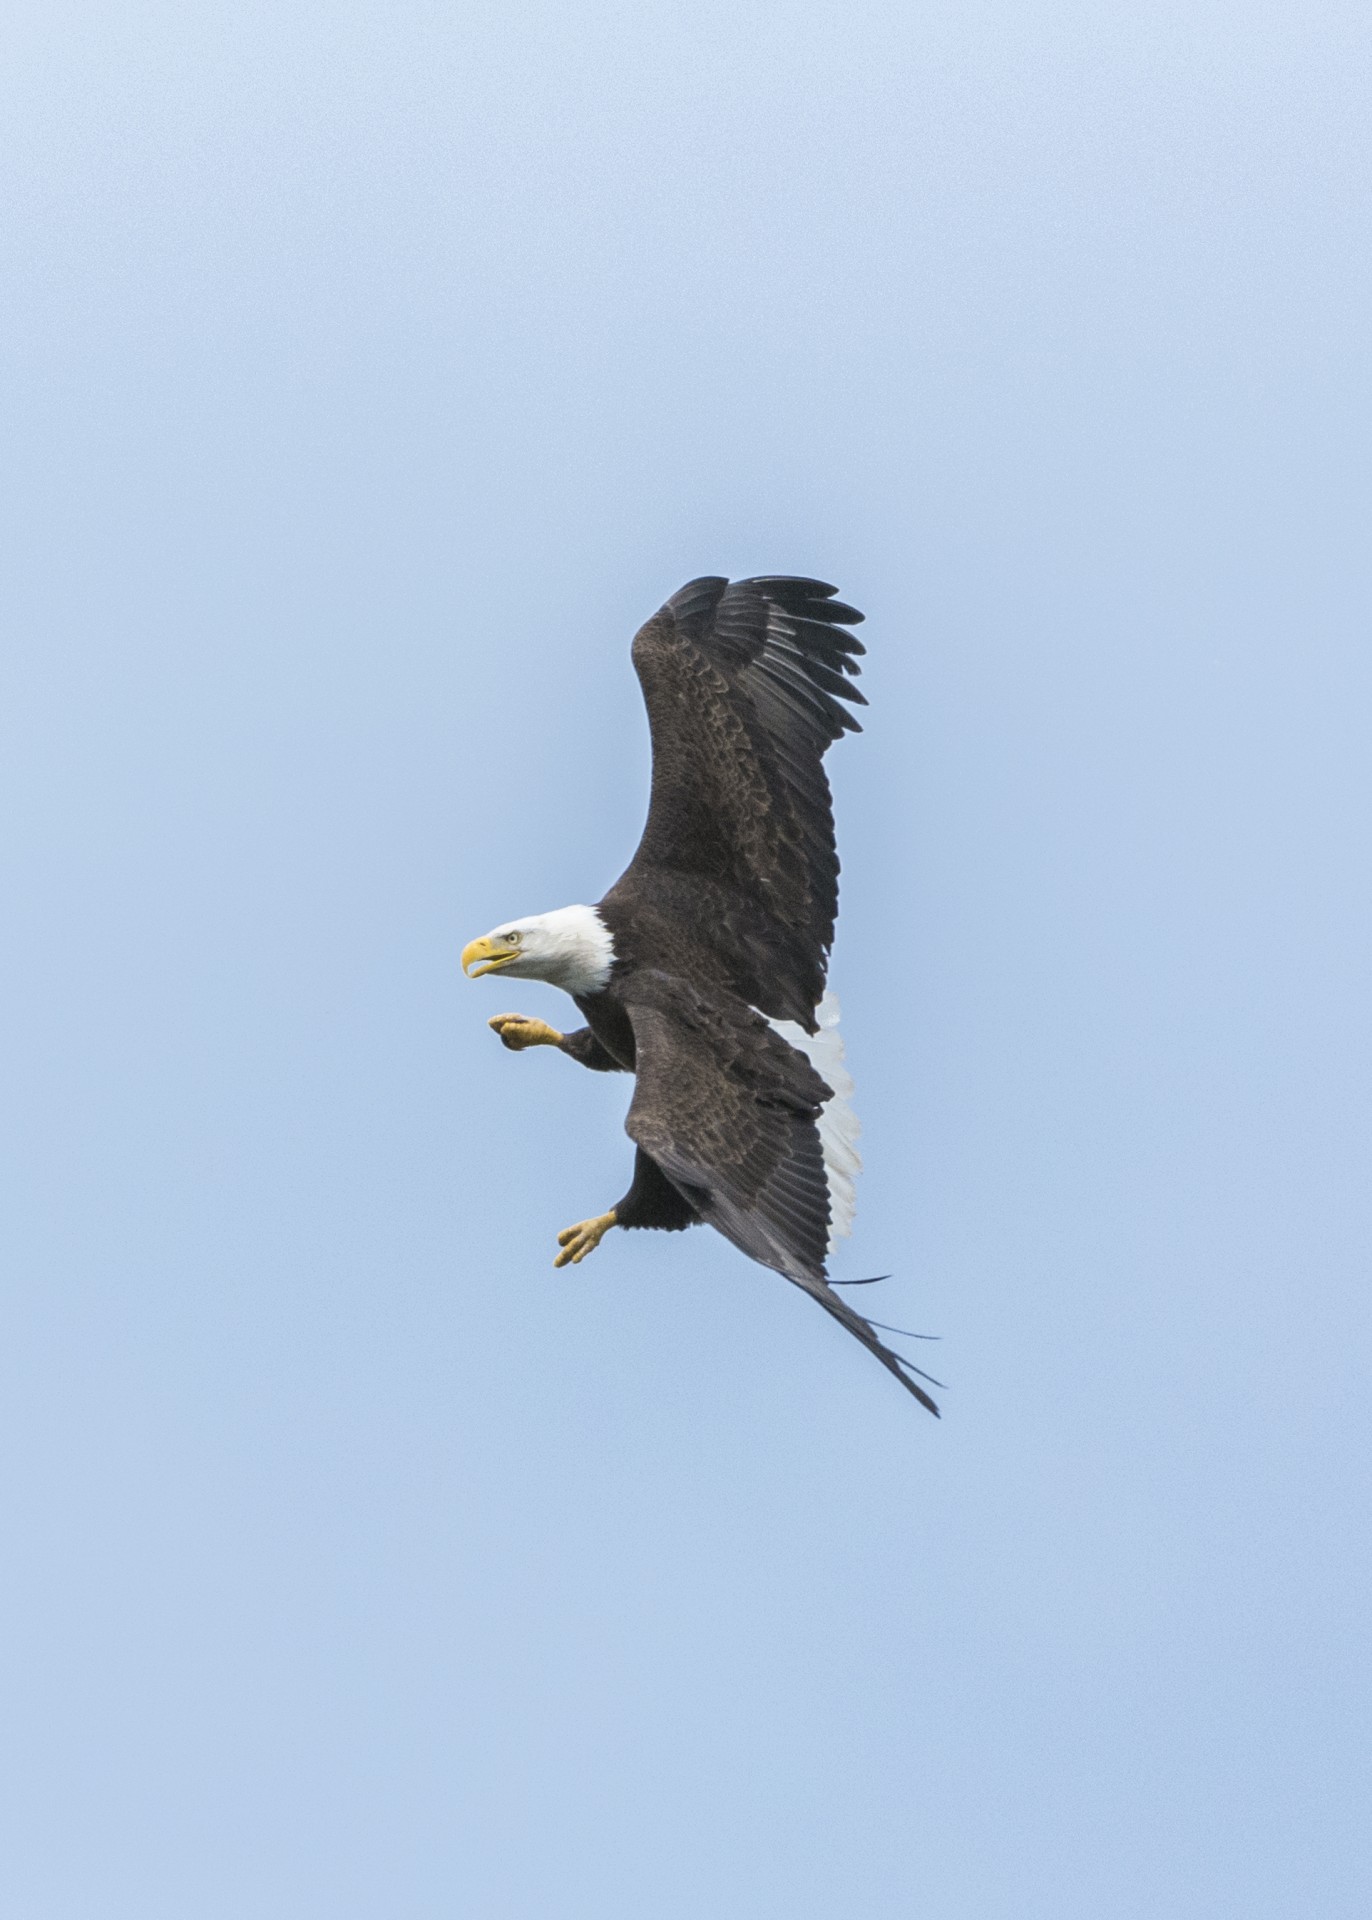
(727, 1109)
(863, 1330)
(786, 637)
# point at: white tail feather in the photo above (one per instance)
(838, 1124)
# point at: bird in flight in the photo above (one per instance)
(703, 970)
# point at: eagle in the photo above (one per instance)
(703, 971)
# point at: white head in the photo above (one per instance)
(570, 948)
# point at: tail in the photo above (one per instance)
(863, 1330)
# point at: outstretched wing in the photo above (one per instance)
(730, 1113)
(745, 685)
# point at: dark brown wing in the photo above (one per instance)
(745, 685)
(728, 1111)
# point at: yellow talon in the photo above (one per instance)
(576, 1242)
(516, 1032)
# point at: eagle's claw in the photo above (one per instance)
(516, 1032)
(576, 1242)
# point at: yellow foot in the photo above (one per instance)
(576, 1242)
(517, 1033)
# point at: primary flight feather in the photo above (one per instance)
(703, 970)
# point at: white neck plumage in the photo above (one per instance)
(570, 948)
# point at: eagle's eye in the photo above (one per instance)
(514, 937)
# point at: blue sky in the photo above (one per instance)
(370, 374)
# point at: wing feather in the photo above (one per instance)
(747, 685)
(729, 1111)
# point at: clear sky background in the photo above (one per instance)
(370, 373)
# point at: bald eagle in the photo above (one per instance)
(703, 970)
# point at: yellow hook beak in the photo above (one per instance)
(485, 956)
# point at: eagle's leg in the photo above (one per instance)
(576, 1242)
(652, 1201)
(516, 1032)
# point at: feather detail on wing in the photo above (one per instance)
(747, 684)
(730, 1112)
(838, 1124)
